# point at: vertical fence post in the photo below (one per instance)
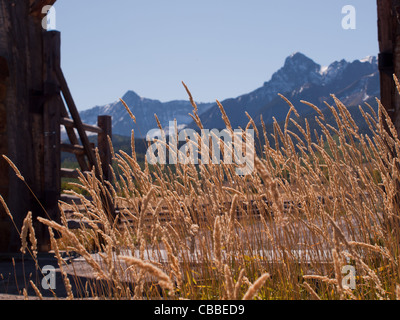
(51, 127)
(389, 64)
(105, 123)
(5, 223)
(385, 57)
(396, 60)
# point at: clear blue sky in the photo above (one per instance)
(219, 48)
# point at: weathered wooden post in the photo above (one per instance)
(105, 123)
(31, 112)
(389, 56)
(4, 179)
(396, 58)
(18, 50)
(389, 64)
(22, 96)
(385, 57)
(51, 128)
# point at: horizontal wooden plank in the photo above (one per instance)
(71, 173)
(77, 119)
(67, 122)
(75, 149)
(69, 199)
(72, 138)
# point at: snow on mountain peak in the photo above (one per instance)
(323, 70)
(298, 58)
(298, 69)
(369, 59)
(300, 77)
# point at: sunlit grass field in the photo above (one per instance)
(318, 203)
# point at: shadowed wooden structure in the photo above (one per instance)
(389, 56)
(389, 64)
(34, 102)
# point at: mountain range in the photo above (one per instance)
(300, 78)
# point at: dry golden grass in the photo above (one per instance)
(312, 206)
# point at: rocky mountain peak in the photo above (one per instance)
(300, 78)
(297, 70)
(131, 96)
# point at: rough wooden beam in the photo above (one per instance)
(105, 123)
(36, 7)
(17, 46)
(70, 148)
(67, 122)
(77, 120)
(396, 60)
(72, 137)
(4, 168)
(389, 64)
(386, 68)
(51, 127)
(4, 72)
(70, 173)
(385, 34)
